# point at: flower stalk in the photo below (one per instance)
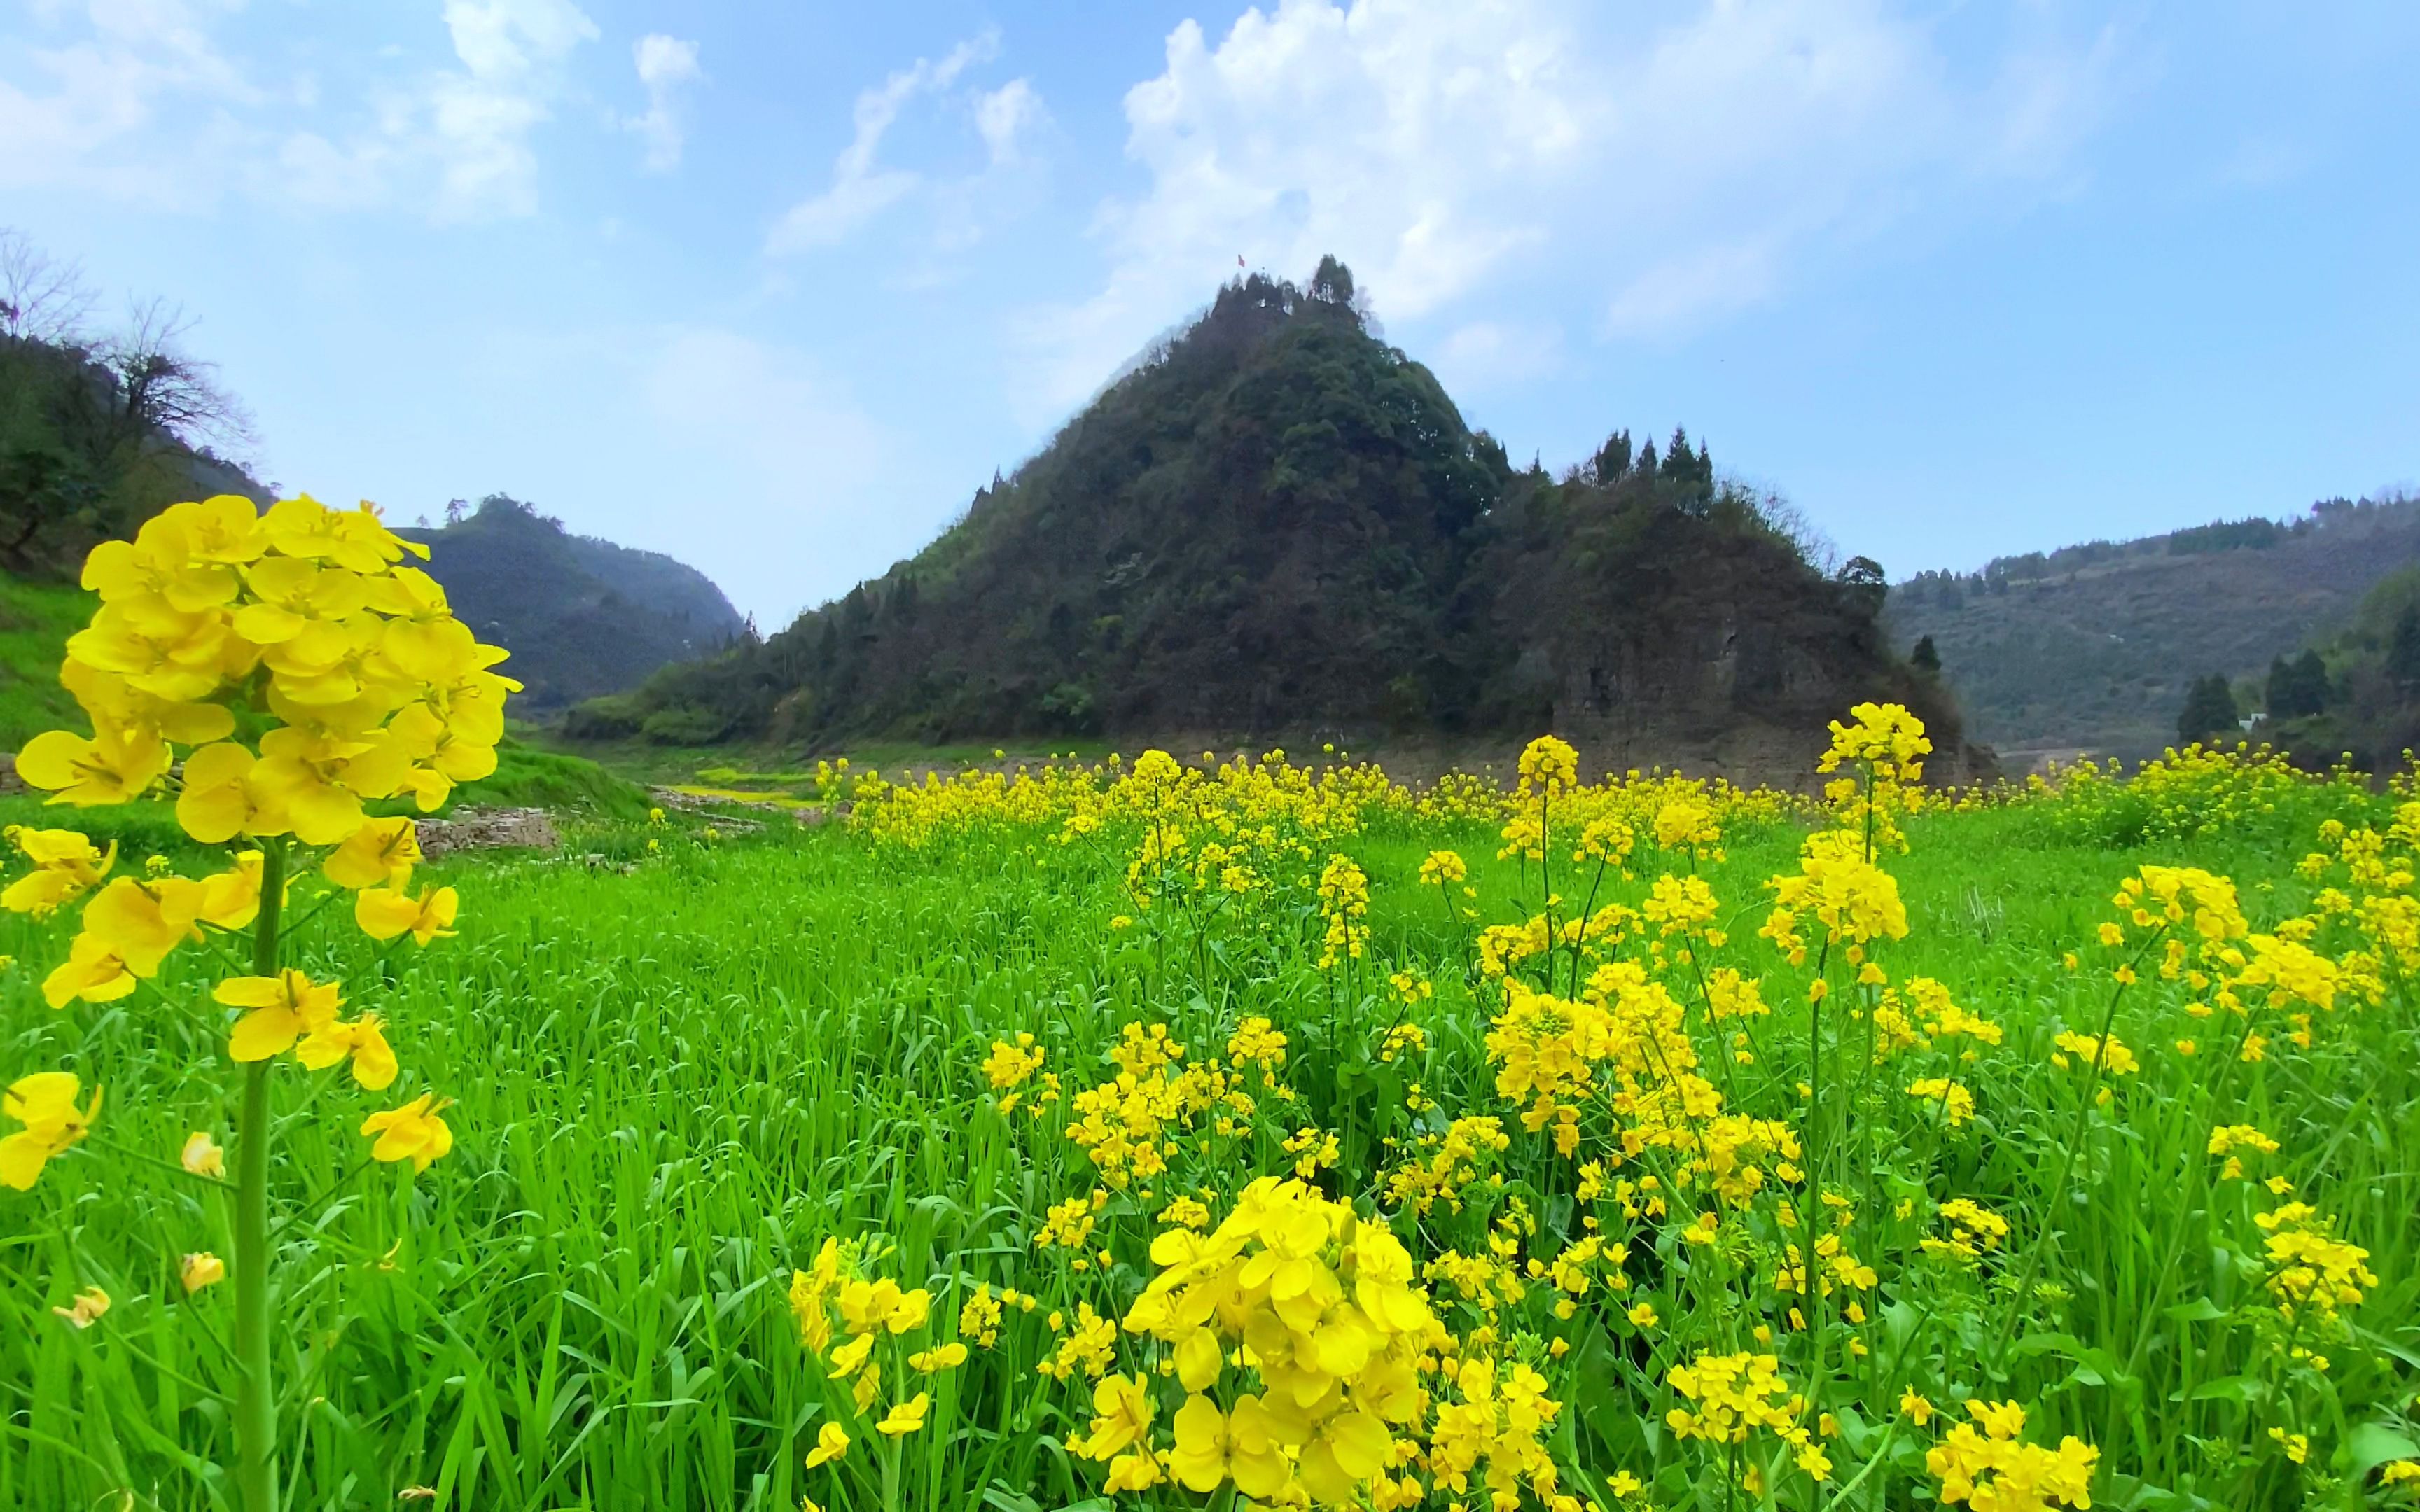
(255, 1415)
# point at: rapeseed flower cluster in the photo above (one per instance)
(1984, 1463)
(1733, 1396)
(273, 673)
(2311, 1272)
(303, 624)
(1344, 910)
(1129, 1126)
(1689, 1173)
(858, 1327)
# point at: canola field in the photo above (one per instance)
(1171, 1133)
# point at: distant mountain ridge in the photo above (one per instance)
(581, 616)
(1276, 524)
(2093, 647)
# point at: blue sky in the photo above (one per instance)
(774, 287)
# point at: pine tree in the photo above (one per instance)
(1613, 458)
(2403, 651)
(1332, 282)
(1678, 461)
(1926, 658)
(2311, 681)
(2209, 710)
(2299, 688)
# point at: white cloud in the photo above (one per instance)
(88, 100)
(1006, 114)
(480, 118)
(1485, 354)
(1692, 288)
(862, 188)
(666, 65)
(1685, 167)
(141, 101)
(505, 40)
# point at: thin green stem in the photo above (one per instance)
(255, 1414)
(2067, 1166)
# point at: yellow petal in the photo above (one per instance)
(22, 1159)
(264, 1032)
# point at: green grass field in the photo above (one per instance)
(672, 1086)
(36, 619)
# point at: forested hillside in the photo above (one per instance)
(2095, 646)
(2353, 694)
(580, 616)
(1278, 524)
(100, 425)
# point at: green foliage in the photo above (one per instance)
(2097, 646)
(2209, 711)
(2366, 682)
(2254, 535)
(682, 725)
(36, 619)
(2297, 688)
(613, 717)
(2403, 651)
(581, 617)
(81, 461)
(528, 777)
(1277, 522)
(672, 1086)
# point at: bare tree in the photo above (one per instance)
(163, 388)
(42, 299)
(1791, 523)
(96, 431)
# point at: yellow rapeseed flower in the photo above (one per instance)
(413, 1132)
(384, 913)
(45, 1103)
(202, 1156)
(382, 851)
(283, 1009)
(66, 866)
(831, 1443)
(907, 1417)
(86, 1309)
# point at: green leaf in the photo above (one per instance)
(2370, 1445)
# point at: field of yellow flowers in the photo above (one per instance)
(1171, 1132)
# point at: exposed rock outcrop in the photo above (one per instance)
(481, 830)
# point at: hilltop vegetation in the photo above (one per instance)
(580, 616)
(99, 430)
(2096, 646)
(1275, 525)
